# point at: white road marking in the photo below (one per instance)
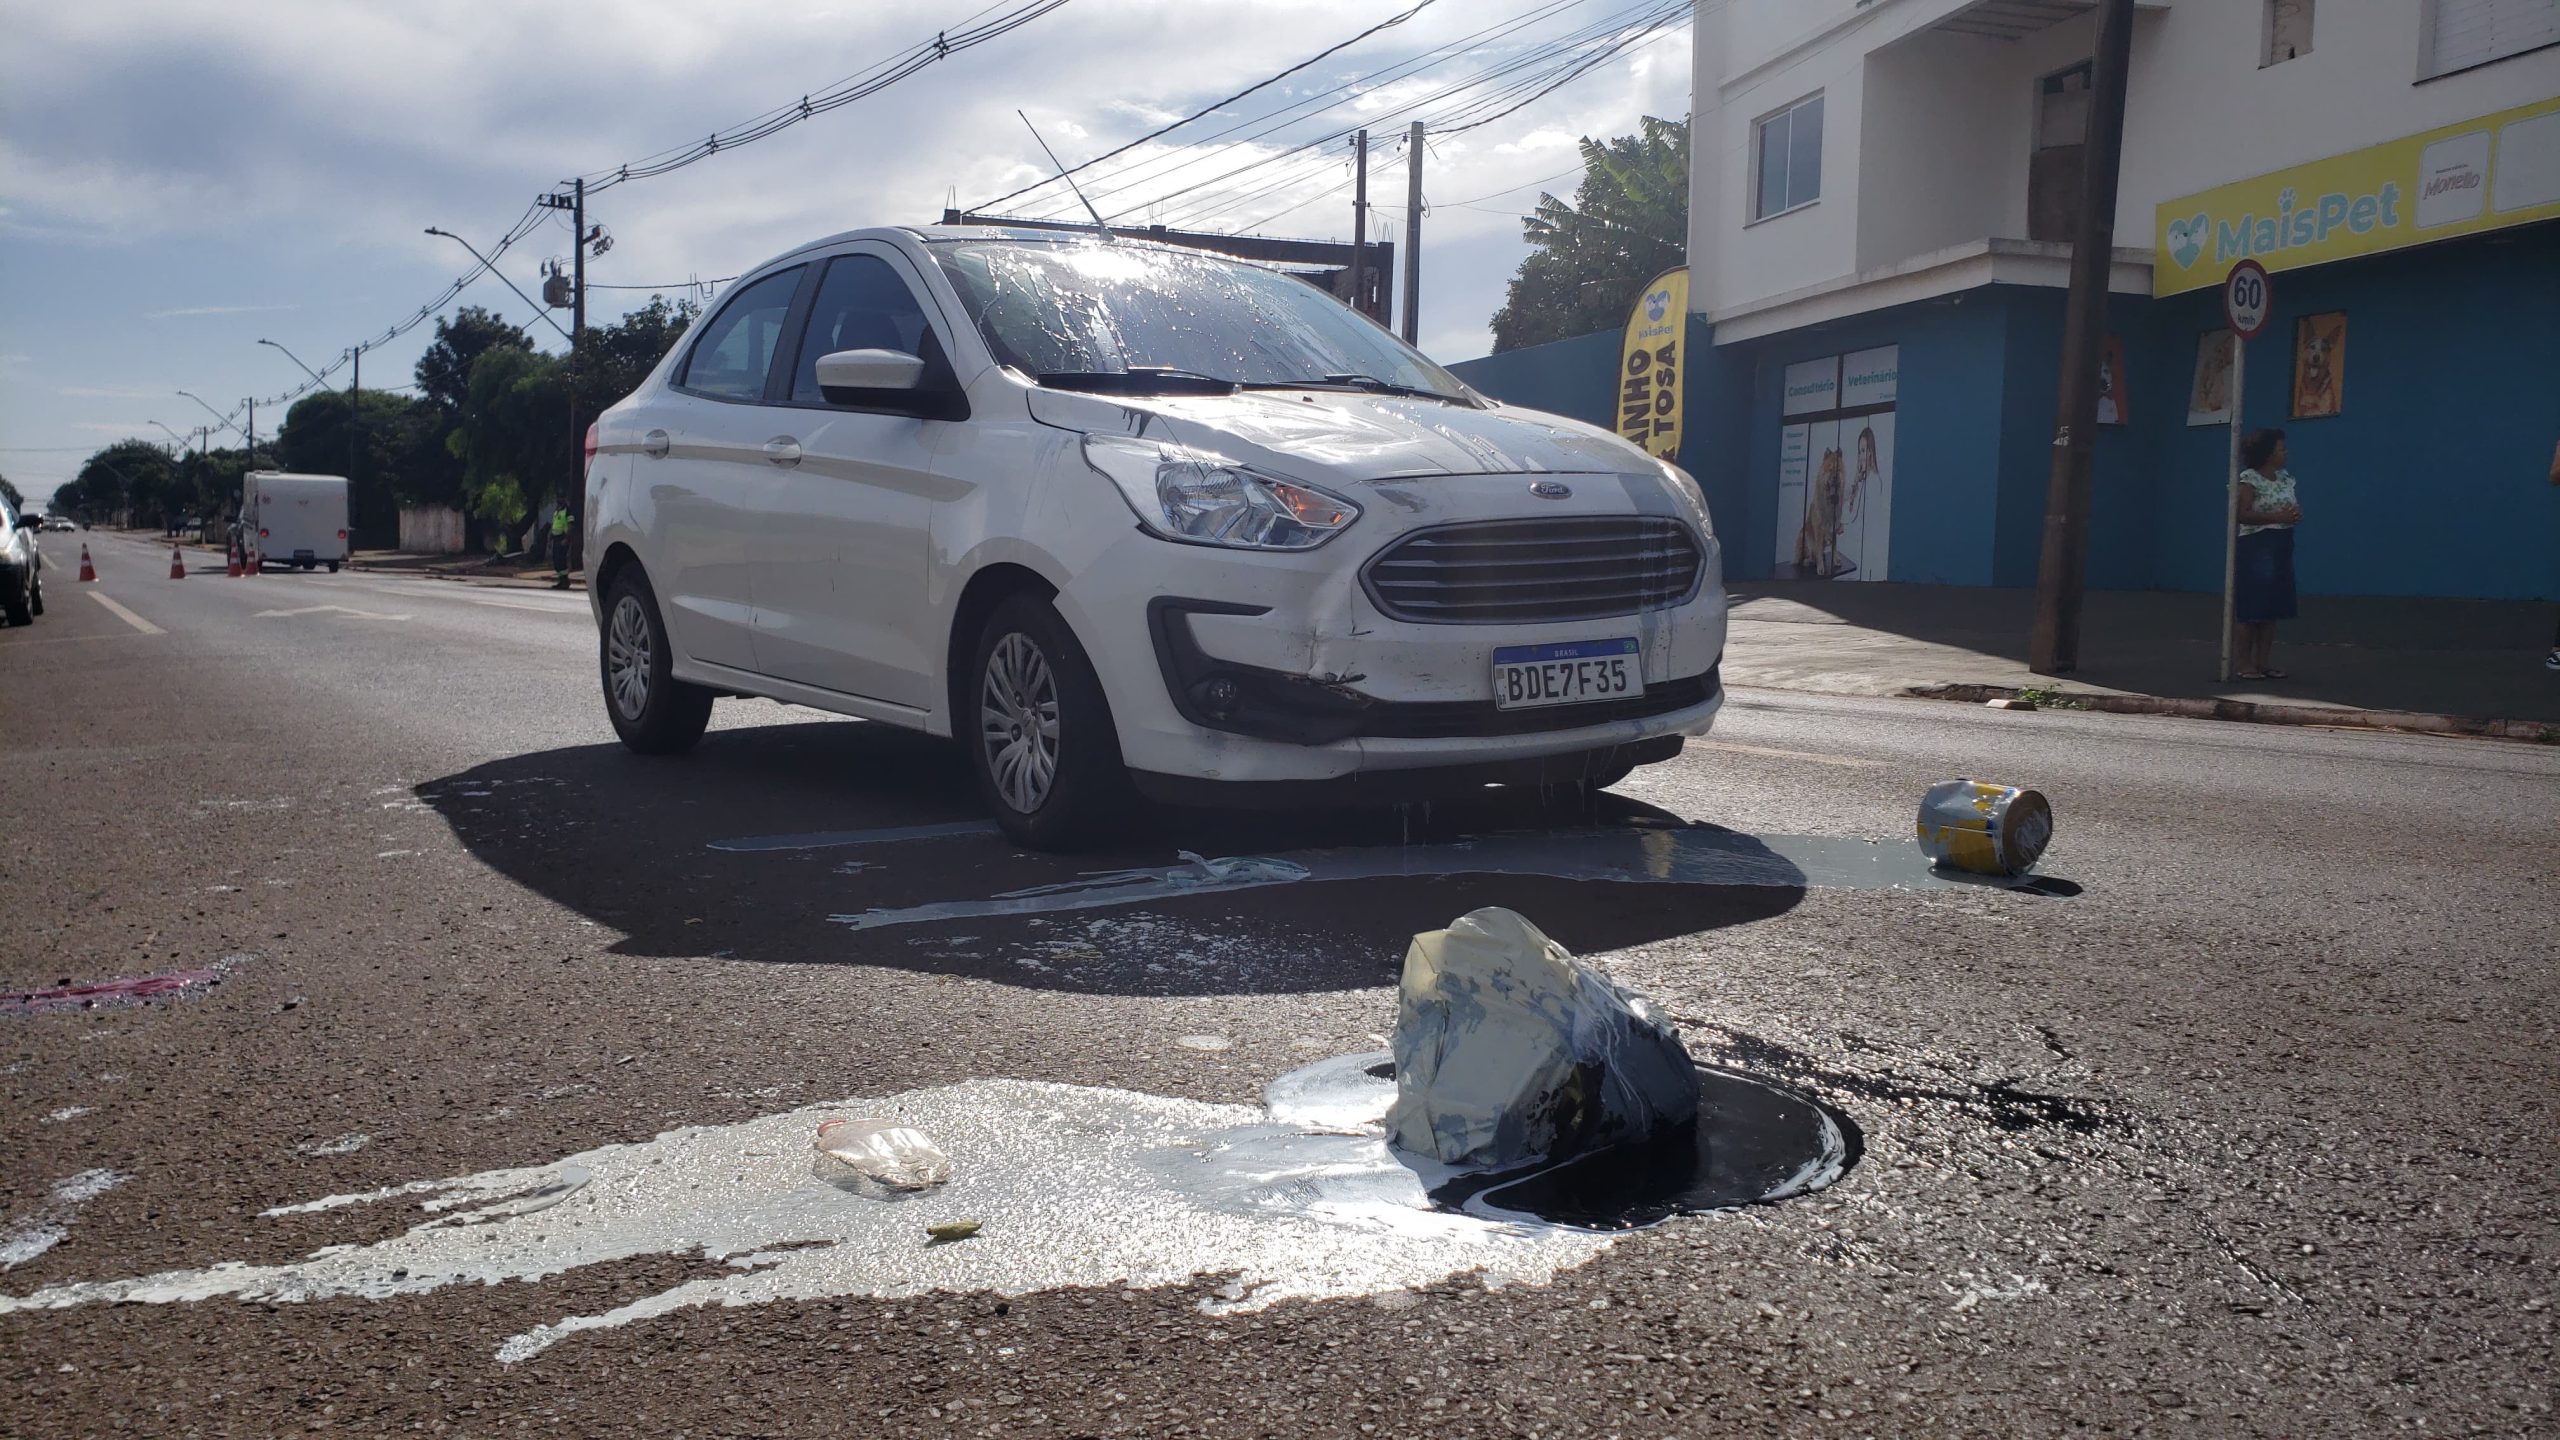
(127, 616)
(317, 609)
(1850, 761)
(537, 609)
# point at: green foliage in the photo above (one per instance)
(444, 371)
(514, 429)
(399, 456)
(1628, 222)
(619, 356)
(501, 502)
(9, 492)
(130, 476)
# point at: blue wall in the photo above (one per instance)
(2431, 481)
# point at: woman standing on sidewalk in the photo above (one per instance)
(2263, 591)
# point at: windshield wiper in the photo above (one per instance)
(1370, 384)
(1138, 380)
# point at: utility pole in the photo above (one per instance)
(575, 202)
(2053, 646)
(1360, 224)
(355, 390)
(1413, 235)
(251, 434)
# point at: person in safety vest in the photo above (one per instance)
(562, 522)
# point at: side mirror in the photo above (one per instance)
(867, 370)
(890, 380)
(28, 522)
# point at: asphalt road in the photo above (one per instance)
(2251, 1135)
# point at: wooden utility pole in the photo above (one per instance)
(1413, 235)
(1360, 223)
(2053, 647)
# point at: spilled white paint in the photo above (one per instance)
(346, 1144)
(24, 1239)
(68, 1113)
(1072, 1186)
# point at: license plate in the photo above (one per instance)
(1528, 676)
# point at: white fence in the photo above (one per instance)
(431, 530)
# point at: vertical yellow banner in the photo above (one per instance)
(1649, 365)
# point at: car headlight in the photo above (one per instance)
(1180, 493)
(1687, 484)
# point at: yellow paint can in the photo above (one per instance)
(1987, 828)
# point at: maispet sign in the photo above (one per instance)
(2486, 174)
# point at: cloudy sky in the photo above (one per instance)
(179, 180)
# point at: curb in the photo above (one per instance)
(2254, 713)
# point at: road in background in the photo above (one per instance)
(2249, 1135)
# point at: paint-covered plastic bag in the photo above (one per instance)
(876, 1156)
(1509, 1051)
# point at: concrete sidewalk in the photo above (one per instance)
(2360, 659)
(513, 573)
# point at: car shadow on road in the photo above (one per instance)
(766, 844)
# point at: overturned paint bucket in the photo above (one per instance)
(1982, 827)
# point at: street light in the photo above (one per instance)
(491, 266)
(174, 435)
(227, 422)
(296, 359)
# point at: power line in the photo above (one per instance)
(867, 82)
(1263, 84)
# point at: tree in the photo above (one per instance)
(513, 438)
(444, 371)
(129, 477)
(1628, 222)
(9, 492)
(618, 357)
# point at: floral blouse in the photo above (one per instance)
(2274, 493)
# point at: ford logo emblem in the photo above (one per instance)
(1551, 490)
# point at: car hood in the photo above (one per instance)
(1344, 436)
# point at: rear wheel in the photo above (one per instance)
(35, 594)
(1040, 733)
(16, 601)
(653, 712)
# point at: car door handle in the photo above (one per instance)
(782, 450)
(656, 444)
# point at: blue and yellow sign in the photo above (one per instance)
(1649, 364)
(2484, 174)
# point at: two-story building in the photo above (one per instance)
(1882, 201)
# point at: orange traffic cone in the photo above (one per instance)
(177, 564)
(232, 554)
(88, 572)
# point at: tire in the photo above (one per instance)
(653, 712)
(35, 595)
(1067, 788)
(17, 603)
(333, 567)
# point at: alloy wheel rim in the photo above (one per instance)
(627, 658)
(1018, 722)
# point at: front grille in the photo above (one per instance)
(1477, 719)
(1502, 572)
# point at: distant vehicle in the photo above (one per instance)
(295, 520)
(1125, 517)
(21, 566)
(61, 523)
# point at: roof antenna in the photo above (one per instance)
(1070, 179)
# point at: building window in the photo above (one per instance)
(1788, 159)
(2460, 34)
(2288, 30)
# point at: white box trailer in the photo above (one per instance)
(294, 520)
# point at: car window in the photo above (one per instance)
(863, 304)
(1047, 308)
(737, 346)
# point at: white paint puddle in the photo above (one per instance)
(24, 1239)
(1072, 1186)
(1642, 856)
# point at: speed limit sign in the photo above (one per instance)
(2246, 298)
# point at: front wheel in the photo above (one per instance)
(1040, 733)
(35, 595)
(653, 712)
(19, 603)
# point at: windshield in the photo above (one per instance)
(1069, 312)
